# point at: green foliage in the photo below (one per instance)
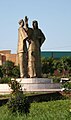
(47, 65)
(18, 101)
(44, 65)
(16, 72)
(5, 80)
(7, 68)
(57, 67)
(1, 73)
(56, 79)
(67, 86)
(15, 86)
(50, 67)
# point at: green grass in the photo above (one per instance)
(5, 96)
(52, 110)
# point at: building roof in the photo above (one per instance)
(55, 54)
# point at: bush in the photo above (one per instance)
(7, 68)
(1, 73)
(5, 80)
(15, 86)
(16, 72)
(18, 101)
(67, 86)
(56, 79)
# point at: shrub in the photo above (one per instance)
(15, 86)
(5, 80)
(67, 86)
(7, 68)
(16, 72)
(1, 73)
(56, 79)
(18, 101)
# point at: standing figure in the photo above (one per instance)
(22, 49)
(34, 52)
(29, 31)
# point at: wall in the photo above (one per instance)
(6, 55)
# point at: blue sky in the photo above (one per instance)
(54, 17)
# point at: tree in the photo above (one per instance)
(7, 68)
(1, 73)
(58, 66)
(16, 72)
(48, 65)
(44, 65)
(66, 65)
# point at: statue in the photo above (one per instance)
(30, 67)
(22, 49)
(34, 52)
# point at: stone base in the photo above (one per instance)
(34, 80)
(37, 84)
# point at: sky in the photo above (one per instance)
(53, 16)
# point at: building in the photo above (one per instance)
(55, 54)
(6, 55)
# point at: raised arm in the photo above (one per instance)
(26, 23)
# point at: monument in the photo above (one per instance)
(22, 49)
(30, 58)
(30, 41)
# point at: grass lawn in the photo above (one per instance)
(52, 110)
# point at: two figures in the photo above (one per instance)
(30, 58)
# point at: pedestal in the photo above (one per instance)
(37, 84)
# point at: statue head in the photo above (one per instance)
(21, 23)
(35, 24)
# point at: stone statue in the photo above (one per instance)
(30, 67)
(22, 49)
(34, 52)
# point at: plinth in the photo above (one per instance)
(37, 84)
